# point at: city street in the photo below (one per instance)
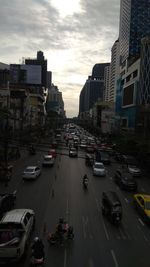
(58, 192)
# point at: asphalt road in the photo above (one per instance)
(58, 192)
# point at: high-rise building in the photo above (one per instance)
(134, 25)
(106, 83)
(40, 60)
(114, 71)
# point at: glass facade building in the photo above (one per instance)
(134, 25)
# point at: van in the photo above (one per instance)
(111, 207)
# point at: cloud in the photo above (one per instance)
(72, 44)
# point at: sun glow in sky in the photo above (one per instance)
(74, 35)
(66, 7)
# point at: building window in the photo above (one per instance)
(135, 73)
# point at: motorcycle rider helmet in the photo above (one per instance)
(36, 239)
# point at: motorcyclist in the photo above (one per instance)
(38, 248)
(85, 178)
(60, 230)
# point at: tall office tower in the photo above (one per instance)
(134, 25)
(144, 88)
(106, 83)
(42, 62)
(114, 71)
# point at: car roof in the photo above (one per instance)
(112, 195)
(48, 156)
(15, 215)
(144, 196)
(98, 163)
(31, 167)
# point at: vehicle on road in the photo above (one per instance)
(73, 152)
(31, 172)
(60, 238)
(15, 230)
(48, 161)
(52, 152)
(111, 207)
(102, 156)
(89, 159)
(85, 181)
(125, 180)
(142, 204)
(132, 164)
(6, 172)
(99, 169)
(7, 202)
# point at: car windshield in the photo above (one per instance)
(47, 159)
(30, 170)
(116, 207)
(99, 166)
(147, 205)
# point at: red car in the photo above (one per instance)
(52, 152)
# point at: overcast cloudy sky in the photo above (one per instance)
(73, 34)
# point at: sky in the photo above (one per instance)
(73, 34)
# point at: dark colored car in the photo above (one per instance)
(7, 202)
(125, 180)
(89, 160)
(103, 156)
(111, 207)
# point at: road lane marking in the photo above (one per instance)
(105, 229)
(146, 239)
(67, 210)
(97, 204)
(122, 234)
(139, 219)
(65, 258)
(114, 258)
(126, 200)
(84, 222)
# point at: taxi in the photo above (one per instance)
(142, 204)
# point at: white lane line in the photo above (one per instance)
(97, 204)
(139, 219)
(126, 200)
(65, 258)
(67, 210)
(146, 239)
(114, 258)
(105, 229)
(122, 234)
(143, 189)
(84, 222)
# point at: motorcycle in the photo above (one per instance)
(59, 238)
(37, 262)
(85, 183)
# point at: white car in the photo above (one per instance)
(135, 171)
(99, 169)
(48, 161)
(15, 230)
(31, 172)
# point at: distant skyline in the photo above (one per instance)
(74, 35)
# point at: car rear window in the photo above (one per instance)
(8, 226)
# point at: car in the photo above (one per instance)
(7, 202)
(48, 161)
(99, 169)
(132, 164)
(125, 180)
(52, 152)
(111, 206)
(142, 204)
(89, 159)
(15, 230)
(102, 156)
(31, 172)
(73, 152)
